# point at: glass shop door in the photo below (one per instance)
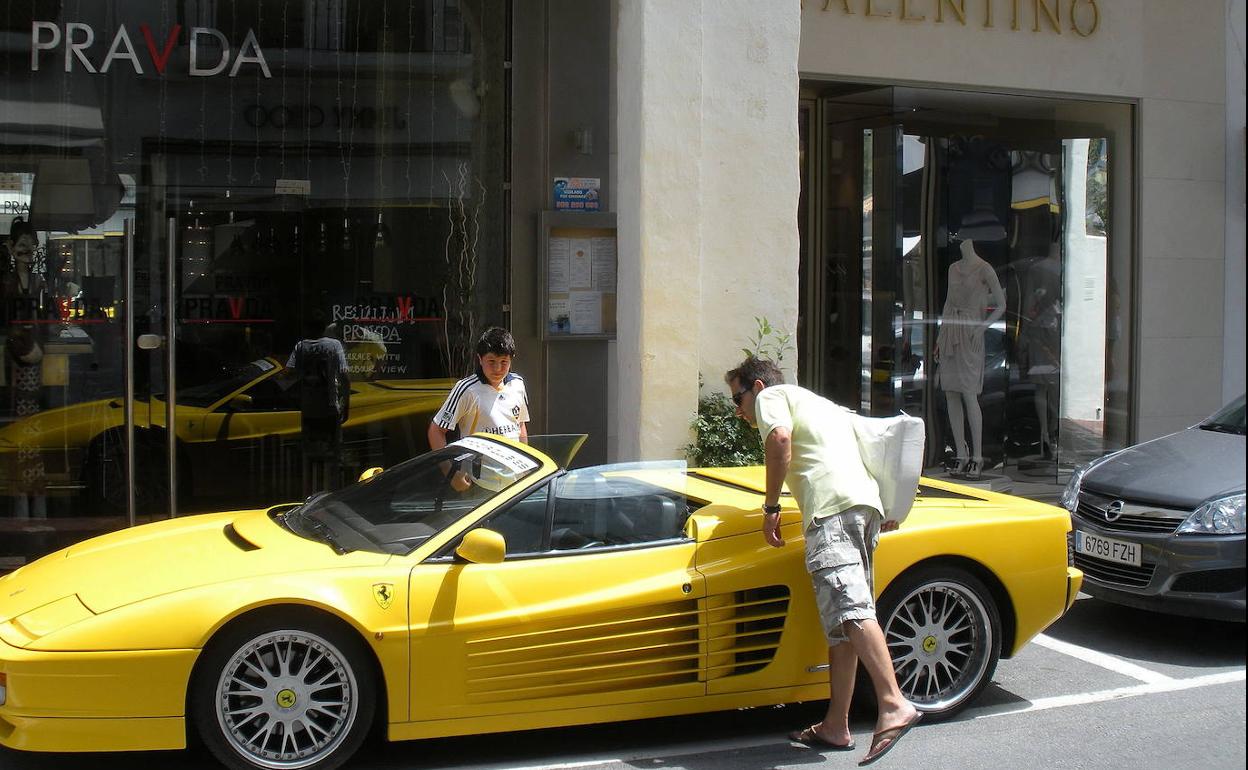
(253, 269)
(67, 241)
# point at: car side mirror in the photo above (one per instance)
(241, 402)
(368, 474)
(482, 546)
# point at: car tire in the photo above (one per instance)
(284, 693)
(943, 631)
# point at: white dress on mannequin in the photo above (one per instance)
(973, 288)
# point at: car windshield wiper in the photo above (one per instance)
(315, 527)
(1218, 427)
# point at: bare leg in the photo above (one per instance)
(868, 641)
(975, 416)
(957, 422)
(843, 665)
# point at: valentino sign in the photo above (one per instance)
(77, 38)
(1082, 17)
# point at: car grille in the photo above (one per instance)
(1134, 517)
(1117, 574)
(1214, 581)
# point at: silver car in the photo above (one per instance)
(1160, 525)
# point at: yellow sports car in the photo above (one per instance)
(233, 433)
(484, 587)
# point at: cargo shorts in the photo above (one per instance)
(839, 549)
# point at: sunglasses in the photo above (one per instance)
(739, 395)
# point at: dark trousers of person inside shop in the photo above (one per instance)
(322, 454)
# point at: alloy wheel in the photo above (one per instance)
(942, 643)
(286, 699)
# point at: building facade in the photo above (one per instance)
(1021, 219)
(1064, 139)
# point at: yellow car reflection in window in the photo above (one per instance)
(223, 429)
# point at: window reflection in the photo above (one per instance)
(1019, 365)
(353, 180)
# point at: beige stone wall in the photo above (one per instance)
(707, 200)
(707, 182)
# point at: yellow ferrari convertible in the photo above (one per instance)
(230, 433)
(485, 587)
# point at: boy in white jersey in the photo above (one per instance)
(491, 401)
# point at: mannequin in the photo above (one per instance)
(973, 287)
(24, 282)
(25, 359)
(1041, 338)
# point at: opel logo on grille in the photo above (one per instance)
(1113, 511)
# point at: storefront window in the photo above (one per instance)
(993, 273)
(225, 179)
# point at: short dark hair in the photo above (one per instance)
(496, 340)
(314, 326)
(754, 368)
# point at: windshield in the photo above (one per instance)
(1228, 419)
(402, 507)
(209, 393)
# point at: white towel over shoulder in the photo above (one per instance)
(892, 451)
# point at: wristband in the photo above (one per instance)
(771, 509)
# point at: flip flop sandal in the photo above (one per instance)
(810, 737)
(883, 741)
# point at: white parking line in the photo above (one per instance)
(1040, 704)
(1152, 683)
(1080, 699)
(1117, 665)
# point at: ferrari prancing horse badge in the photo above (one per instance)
(384, 594)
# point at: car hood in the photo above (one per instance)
(155, 559)
(1181, 470)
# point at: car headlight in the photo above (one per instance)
(1224, 516)
(1070, 495)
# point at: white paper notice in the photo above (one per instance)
(581, 273)
(560, 249)
(603, 251)
(586, 312)
(559, 316)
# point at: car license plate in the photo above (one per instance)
(1107, 548)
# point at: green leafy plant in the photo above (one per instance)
(721, 439)
(768, 341)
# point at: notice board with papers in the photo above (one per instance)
(579, 269)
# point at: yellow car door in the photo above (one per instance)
(574, 617)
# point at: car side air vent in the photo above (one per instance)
(743, 629)
(240, 542)
(634, 648)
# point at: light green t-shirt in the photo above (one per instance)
(826, 474)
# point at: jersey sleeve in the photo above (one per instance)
(772, 411)
(457, 406)
(524, 404)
